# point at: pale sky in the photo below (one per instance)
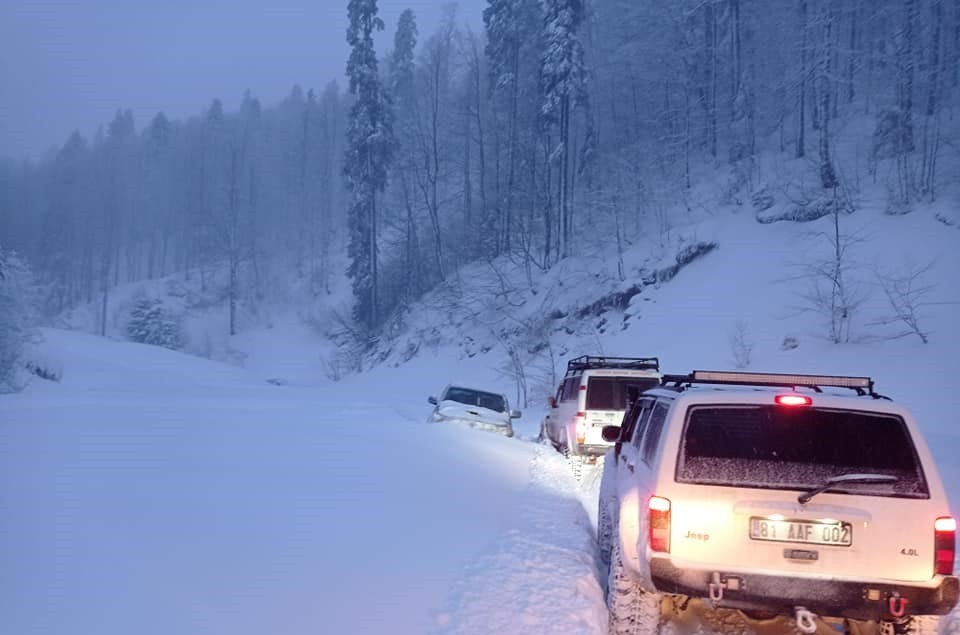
(70, 64)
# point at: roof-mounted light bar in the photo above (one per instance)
(863, 385)
(736, 377)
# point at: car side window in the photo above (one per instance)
(629, 423)
(642, 421)
(570, 387)
(654, 429)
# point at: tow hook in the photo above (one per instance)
(898, 605)
(805, 620)
(715, 588)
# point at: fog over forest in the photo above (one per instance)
(558, 127)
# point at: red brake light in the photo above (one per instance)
(579, 424)
(944, 545)
(793, 400)
(659, 523)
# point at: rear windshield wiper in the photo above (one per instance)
(845, 478)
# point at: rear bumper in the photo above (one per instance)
(829, 598)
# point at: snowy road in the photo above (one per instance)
(189, 499)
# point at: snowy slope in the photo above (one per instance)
(154, 492)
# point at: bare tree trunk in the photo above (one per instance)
(931, 128)
(478, 118)
(802, 97)
(232, 230)
(713, 69)
(955, 67)
(736, 49)
(467, 181)
(548, 218)
(512, 151)
(104, 290)
(852, 53)
(905, 80)
(415, 282)
(824, 87)
(374, 266)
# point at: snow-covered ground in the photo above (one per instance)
(152, 492)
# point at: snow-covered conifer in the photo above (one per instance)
(151, 323)
(17, 317)
(369, 151)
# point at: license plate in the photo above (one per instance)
(807, 532)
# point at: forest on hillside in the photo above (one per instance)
(562, 126)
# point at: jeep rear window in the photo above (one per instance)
(616, 393)
(798, 448)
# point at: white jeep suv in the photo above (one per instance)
(595, 392)
(783, 497)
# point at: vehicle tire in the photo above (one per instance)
(923, 625)
(914, 625)
(631, 609)
(604, 531)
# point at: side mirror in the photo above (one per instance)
(515, 414)
(432, 400)
(552, 401)
(610, 434)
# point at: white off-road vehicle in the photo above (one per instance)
(741, 498)
(595, 392)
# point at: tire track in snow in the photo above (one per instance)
(539, 577)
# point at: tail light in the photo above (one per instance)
(580, 423)
(944, 545)
(793, 400)
(659, 523)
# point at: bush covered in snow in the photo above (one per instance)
(17, 317)
(152, 323)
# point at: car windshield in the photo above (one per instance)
(616, 393)
(488, 400)
(783, 447)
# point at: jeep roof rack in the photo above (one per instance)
(586, 362)
(862, 385)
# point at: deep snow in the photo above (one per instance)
(154, 492)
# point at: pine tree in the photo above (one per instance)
(404, 95)
(150, 323)
(17, 307)
(563, 77)
(401, 63)
(369, 150)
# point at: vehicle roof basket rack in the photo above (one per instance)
(862, 385)
(586, 362)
